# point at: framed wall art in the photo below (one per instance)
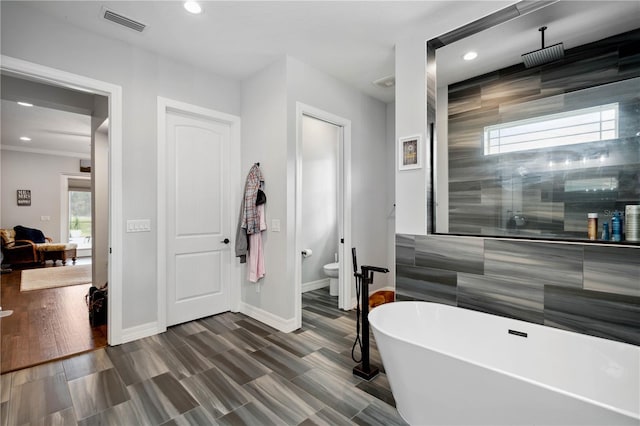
(410, 152)
(24, 197)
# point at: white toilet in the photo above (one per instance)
(332, 270)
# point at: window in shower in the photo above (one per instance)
(593, 124)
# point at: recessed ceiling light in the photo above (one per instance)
(470, 56)
(192, 7)
(27, 104)
(25, 139)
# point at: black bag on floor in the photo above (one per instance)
(97, 303)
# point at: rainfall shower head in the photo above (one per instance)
(543, 55)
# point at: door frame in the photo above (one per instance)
(166, 105)
(345, 300)
(113, 92)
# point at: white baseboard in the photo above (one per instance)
(314, 285)
(354, 302)
(140, 331)
(281, 324)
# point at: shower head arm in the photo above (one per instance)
(542, 30)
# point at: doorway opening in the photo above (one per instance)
(321, 222)
(45, 88)
(77, 222)
(323, 207)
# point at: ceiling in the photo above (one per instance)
(572, 22)
(52, 131)
(350, 40)
(58, 122)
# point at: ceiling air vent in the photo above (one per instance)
(112, 16)
(386, 82)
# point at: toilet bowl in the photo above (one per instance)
(332, 270)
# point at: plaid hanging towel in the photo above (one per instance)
(250, 218)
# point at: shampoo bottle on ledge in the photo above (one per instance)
(616, 227)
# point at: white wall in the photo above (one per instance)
(319, 196)
(411, 114)
(264, 140)
(411, 111)
(390, 170)
(369, 159)
(269, 136)
(41, 174)
(143, 76)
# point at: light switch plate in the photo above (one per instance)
(275, 225)
(139, 225)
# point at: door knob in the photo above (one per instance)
(226, 241)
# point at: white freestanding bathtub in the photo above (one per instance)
(453, 366)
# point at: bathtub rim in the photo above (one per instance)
(624, 412)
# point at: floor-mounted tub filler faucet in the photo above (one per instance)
(363, 280)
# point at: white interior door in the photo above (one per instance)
(198, 230)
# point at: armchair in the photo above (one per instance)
(25, 251)
(18, 251)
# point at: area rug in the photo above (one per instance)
(59, 276)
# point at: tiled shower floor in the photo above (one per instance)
(225, 369)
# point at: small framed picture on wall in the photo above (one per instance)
(24, 197)
(410, 152)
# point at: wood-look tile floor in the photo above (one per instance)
(226, 369)
(46, 324)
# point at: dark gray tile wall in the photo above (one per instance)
(509, 297)
(405, 249)
(430, 284)
(558, 264)
(587, 289)
(607, 315)
(481, 186)
(584, 288)
(451, 255)
(612, 270)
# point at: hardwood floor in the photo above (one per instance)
(226, 369)
(45, 325)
